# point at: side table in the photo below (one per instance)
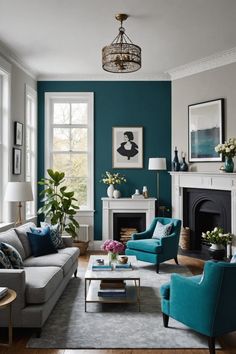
(5, 302)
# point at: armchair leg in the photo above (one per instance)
(165, 319)
(157, 267)
(176, 260)
(211, 345)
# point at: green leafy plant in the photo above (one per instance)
(59, 204)
(217, 236)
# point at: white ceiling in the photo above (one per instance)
(64, 38)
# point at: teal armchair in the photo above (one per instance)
(153, 250)
(204, 303)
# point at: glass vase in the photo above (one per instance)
(229, 164)
(112, 257)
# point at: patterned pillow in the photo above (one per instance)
(55, 235)
(4, 261)
(162, 230)
(13, 255)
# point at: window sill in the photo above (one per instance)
(86, 212)
(4, 226)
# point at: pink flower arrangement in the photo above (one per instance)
(112, 246)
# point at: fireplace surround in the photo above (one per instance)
(182, 181)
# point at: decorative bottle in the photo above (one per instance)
(184, 165)
(145, 192)
(175, 163)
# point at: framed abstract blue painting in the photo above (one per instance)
(205, 130)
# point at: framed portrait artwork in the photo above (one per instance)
(205, 130)
(18, 133)
(127, 147)
(16, 161)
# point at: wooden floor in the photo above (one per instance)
(21, 336)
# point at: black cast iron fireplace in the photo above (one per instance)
(204, 209)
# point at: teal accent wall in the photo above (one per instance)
(121, 103)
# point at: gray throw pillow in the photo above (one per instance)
(13, 255)
(23, 237)
(162, 230)
(4, 261)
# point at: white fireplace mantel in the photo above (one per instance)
(204, 180)
(124, 205)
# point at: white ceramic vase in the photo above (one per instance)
(116, 194)
(215, 246)
(110, 191)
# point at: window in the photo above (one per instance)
(69, 142)
(5, 75)
(31, 148)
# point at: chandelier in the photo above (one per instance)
(121, 56)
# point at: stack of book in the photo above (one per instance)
(126, 233)
(112, 288)
(101, 266)
(121, 266)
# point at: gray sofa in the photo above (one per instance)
(40, 284)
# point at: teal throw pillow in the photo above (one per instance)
(41, 242)
(13, 255)
(4, 261)
(162, 230)
(55, 234)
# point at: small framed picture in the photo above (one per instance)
(127, 147)
(16, 161)
(206, 130)
(18, 133)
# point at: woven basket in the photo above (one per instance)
(184, 241)
(82, 245)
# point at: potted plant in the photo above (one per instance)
(218, 240)
(60, 206)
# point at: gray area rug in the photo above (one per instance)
(117, 325)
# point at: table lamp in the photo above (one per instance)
(18, 192)
(157, 164)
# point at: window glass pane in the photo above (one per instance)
(79, 139)
(79, 165)
(61, 139)
(73, 165)
(61, 113)
(79, 113)
(80, 187)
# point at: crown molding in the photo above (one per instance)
(106, 77)
(12, 58)
(207, 63)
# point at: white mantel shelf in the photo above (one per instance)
(204, 180)
(111, 206)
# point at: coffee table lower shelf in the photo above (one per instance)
(132, 293)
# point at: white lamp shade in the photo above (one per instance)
(18, 192)
(157, 163)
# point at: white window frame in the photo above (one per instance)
(31, 94)
(52, 97)
(5, 116)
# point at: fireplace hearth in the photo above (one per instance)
(204, 209)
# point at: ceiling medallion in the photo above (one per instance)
(121, 56)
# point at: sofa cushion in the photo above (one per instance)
(41, 283)
(13, 255)
(64, 261)
(55, 234)
(22, 234)
(162, 230)
(148, 245)
(71, 251)
(4, 261)
(12, 239)
(41, 242)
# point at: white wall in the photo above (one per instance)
(19, 79)
(205, 86)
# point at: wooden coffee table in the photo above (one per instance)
(93, 280)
